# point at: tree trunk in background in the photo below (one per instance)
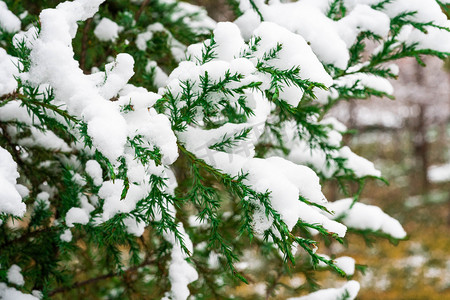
(422, 147)
(219, 10)
(420, 144)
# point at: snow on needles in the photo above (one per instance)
(181, 273)
(331, 39)
(52, 50)
(14, 275)
(8, 69)
(11, 200)
(295, 52)
(107, 30)
(8, 21)
(11, 293)
(348, 291)
(345, 263)
(285, 180)
(87, 97)
(301, 152)
(366, 217)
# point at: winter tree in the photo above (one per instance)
(148, 152)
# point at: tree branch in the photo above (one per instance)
(100, 278)
(141, 10)
(84, 45)
(27, 235)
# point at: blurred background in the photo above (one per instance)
(408, 139)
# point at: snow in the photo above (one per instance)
(213, 260)
(309, 41)
(8, 69)
(142, 39)
(14, 275)
(360, 166)
(425, 10)
(229, 50)
(23, 190)
(52, 50)
(94, 170)
(145, 122)
(111, 192)
(66, 236)
(345, 263)
(196, 16)
(304, 20)
(46, 140)
(88, 97)
(37, 294)
(160, 77)
(295, 52)
(177, 48)
(8, 21)
(76, 215)
(363, 18)
(42, 199)
(9, 293)
(361, 80)
(11, 202)
(331, 40)
(351, 288)
(134, 227)
(117, 74)
(27, 37)
(365, 217)
(435, 38)
(78, 179)
(195, 221)
(229, 41)
(107, 30)
(285, 180)
(301, 152)
(181, 273)
(439, 173)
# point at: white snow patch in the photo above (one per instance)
(9, 293)
(15, 276)
(11, 200)
(363, 216)
(66, 236)
(107, 30)
(439, 173)
(76, 215)
(8, 21)
(351, 288)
